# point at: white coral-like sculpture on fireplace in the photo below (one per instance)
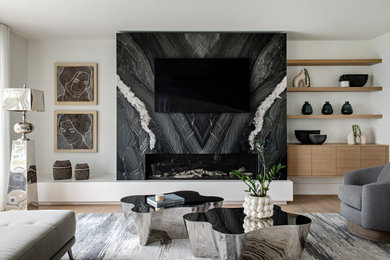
(263, 108)
(141, 109)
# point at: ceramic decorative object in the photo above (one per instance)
(344, 81)
(303, 77)
(251, 224)
(317, 138)
(356, 136)
(303, 135)
(357, 80)
(258, 207)
(344, 84)
(307, 109)
(346, 109)
(327, 108)
(81, 171)
(62, 170)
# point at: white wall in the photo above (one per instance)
(382, 76)
(40, 70)
(336, 129)
(42, 54)
(18, 61)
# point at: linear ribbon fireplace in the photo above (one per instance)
(199, 166)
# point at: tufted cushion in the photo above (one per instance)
(385, 174)
(351, 195)
(36, 234)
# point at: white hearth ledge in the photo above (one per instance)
(105, 189)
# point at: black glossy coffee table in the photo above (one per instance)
(163, 225)
(219, 233)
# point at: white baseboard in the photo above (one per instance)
(107, 191)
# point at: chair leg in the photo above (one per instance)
(70, 254)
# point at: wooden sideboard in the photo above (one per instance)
(331, 160)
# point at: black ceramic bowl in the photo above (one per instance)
(303, 135)
(357, 80)
(317, 138)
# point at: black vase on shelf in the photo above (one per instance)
(327, 109)
(307, 109)
(346, 109)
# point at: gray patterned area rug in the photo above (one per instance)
(104, 236)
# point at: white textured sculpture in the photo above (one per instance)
(141, 109)
(263, 108)
(351, 139)
(356, 136)
(258, 207)
(251, 224)
(303, 77)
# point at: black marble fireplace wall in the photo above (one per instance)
(142, 131)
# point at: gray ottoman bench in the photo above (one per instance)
(36, 234)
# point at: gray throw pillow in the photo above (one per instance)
(385, 174)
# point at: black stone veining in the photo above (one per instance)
(198, 133)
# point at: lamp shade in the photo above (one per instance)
(23, 99)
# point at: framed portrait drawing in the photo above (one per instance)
(75, 131)
(75, 83)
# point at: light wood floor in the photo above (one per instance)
(301, 204)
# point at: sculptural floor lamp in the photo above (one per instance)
(22, 190)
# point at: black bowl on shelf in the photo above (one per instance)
(303, 135)
(357, 80)
(317, 138)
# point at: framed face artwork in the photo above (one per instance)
(75, 131)
(75, 83)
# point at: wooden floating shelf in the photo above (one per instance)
(334, 89)
(335, 144)
(333, 116)
(333, 62)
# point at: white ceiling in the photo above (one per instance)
(101, 19)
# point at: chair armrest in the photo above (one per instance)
(362, 176)
(376, 206)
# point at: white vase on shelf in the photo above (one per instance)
(361, 139)
(303, 77)
(344, 84)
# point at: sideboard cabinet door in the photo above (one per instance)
(298, 160)
(348, 158)
(323, 161)
(372, 156)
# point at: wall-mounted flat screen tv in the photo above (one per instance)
(202, 85)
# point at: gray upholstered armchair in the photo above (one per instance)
(365, 201)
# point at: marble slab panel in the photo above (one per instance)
(196, 133)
